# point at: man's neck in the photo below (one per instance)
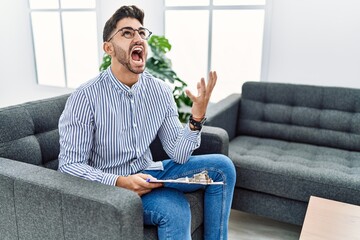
(125, 76)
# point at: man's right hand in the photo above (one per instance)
(137, 183)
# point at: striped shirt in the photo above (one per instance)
(106, 128)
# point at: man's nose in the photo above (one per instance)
(137, 36)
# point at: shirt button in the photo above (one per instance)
(135, 125)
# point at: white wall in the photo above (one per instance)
(17, 73)
(311, 42)
(314, 42)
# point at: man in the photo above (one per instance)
(108, 124)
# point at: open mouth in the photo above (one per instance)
(137, 54)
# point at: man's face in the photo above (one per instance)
(131, 53)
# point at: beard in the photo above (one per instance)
(124, 58)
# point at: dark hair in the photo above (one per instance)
(123, 12)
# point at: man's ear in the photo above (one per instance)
(108, 48)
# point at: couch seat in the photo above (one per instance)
(295, 170)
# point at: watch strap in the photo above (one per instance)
(197, 124)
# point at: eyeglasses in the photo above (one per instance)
(129, 33)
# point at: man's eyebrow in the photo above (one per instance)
(126, 27)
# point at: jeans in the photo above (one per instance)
(168, 208)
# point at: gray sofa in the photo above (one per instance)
(37, 202)
(289, 142)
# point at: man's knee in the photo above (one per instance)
(222, 162)
(223, 168)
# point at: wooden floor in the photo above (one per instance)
(243, 226)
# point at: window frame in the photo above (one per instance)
(59, 10)
(211, 8)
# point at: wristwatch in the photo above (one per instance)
(197, 124)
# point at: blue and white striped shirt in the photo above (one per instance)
(106, 128)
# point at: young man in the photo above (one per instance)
(108, 124)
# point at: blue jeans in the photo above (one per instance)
(168, 208)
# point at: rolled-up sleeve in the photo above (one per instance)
(178, 141)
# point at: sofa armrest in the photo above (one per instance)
(225, 114)
(39, 203)
(213, 140)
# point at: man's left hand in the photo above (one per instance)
(201, 101)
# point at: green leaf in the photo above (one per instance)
(106, 62)
(159, 45)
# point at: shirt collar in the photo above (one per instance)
(119, 85)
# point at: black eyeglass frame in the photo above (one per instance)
(131, 29)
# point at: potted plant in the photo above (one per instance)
(160, 67)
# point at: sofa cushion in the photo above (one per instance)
(16, 136)
(30, 129)
(296, 171)
(326, 116)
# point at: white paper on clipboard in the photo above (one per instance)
(199, 178)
